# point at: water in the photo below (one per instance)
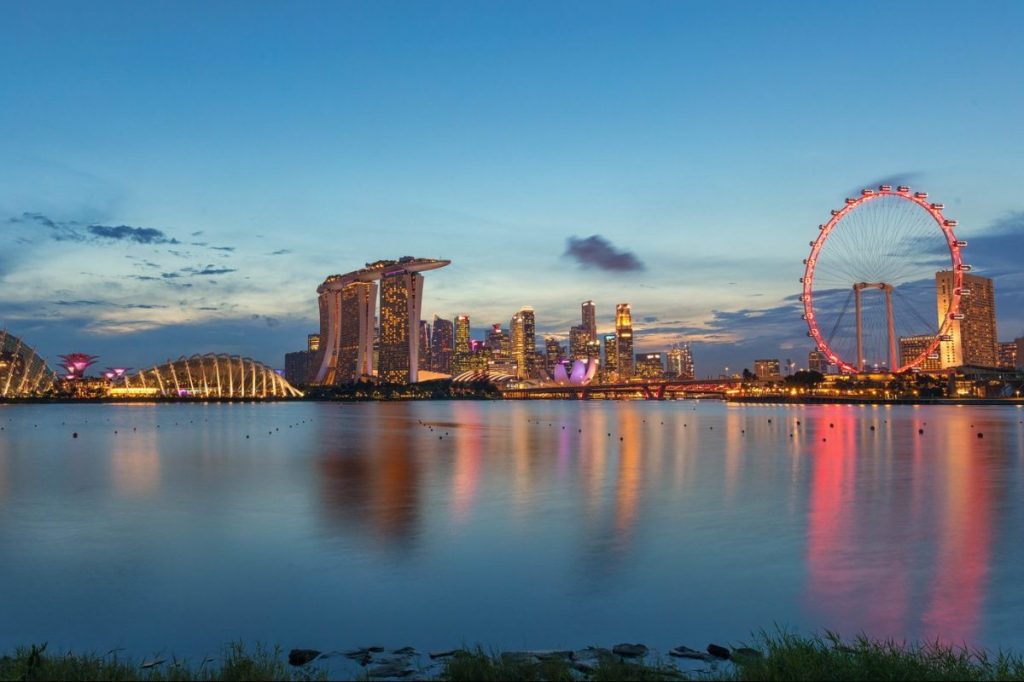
(336, 525)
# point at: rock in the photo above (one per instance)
(391, 670)
(629, 650)
(718, 651)
(592, 652)
(687, 652)
(405, 651)
(517, 657)
(445, 654)
(299, 657)
(552, 655)
(583, 667)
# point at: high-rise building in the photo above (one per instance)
(589, 315)
(462, 360)
(912, 347)
(312, 342)
(296, 367)
(610, 366)
(1008, 354)
(972, 339)
(426, 357)
(816, 362)
(442, 345)
(767, 370)
(680, 362)
(347, 315)
(1020, 352)
(498, 342)
(552, 353)
(624, 342)
(579, 337)
(649, 366)
(524, 344)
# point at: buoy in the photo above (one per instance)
(75, 434)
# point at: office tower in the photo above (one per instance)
(624, 342)
(524, 345)
(589, 315)
(552, 353)
(461, 359)
(816, 362)
(426, 357)
(680, 362)
(579, 337)
(610, 366)
(347, 344)
(442, 345)
(649, 366)
(973, 339)
(1007, 354)
(767, 370)
(498, 342)
(912, 346)
(296, 367)
(593, 350)
(312, 342)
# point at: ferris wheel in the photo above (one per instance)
(872, 299)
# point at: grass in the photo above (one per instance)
(782, 656)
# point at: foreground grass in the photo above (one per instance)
(781, 657)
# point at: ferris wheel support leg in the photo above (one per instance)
(893, 360)
(860, 336)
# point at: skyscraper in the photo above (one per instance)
(1008, 354)
(624, 342)
(911, 347)
(347, 315)
(589, 315)
(552, 353)
(579, 337)
(680, 362)
(649, 365)
(462, 360)
(524, 344)
(442, 345)
(312, 342)
(973, 339)
(816, 362)
(610, 366)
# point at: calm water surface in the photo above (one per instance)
(512, 524)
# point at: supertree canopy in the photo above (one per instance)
(77, 363)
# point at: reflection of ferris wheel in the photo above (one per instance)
(880, 253)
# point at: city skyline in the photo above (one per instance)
(191, 205)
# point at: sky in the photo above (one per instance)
(178, 177)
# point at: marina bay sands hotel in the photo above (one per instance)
(348, 316)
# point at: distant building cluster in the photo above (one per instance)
(396, 346)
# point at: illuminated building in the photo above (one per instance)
(1020, 352)
(426, 359)
(816, 362)
(442, 345)
(579, 337)
(312, 342)
(553, 353)
(624, 342)
(22, 372)
(524, 344)
(767, 370)
(649, 366)
(1008, 354)
(206, 376)
(589, 315)
(347, 306)
(498, 342)
(913, 346)
(973, 339)
(610, 367)
(462, 360)
(680, 362)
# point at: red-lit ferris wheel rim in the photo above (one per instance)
(954, 245)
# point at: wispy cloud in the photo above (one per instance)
(139, 235)
(280, 252)
(597, 252)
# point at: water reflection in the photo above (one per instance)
(135, 464)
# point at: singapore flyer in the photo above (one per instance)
(870, 282)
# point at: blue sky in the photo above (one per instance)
(270, 145)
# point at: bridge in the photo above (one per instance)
(658, 389)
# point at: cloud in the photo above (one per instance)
(140, 235)
(223, 248)
(597, 252)
(208, 271)
(280, 252)
(110, 304)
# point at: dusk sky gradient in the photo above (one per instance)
(260, 147)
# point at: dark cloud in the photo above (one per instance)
(179, 254)
(196, 233)
(58, 231)
(650, 318)
(209, 270)
(223, 248)
(140, 235)
(280, 252)
(170, 275)
(597, 252)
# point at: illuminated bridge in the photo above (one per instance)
(210, 376)
(23, 373)
(660, 389)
